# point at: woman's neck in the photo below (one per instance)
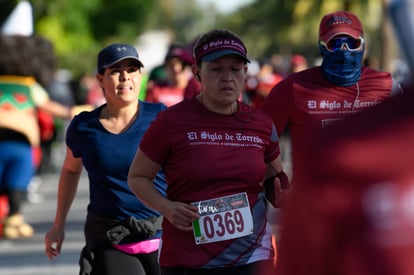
(224, 109)
(116, 120)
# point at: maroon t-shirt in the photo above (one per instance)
(351, 210)
(306, 101)
(206, 155)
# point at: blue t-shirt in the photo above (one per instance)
(107, 158)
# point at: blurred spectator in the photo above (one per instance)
(298, 63)
(179, 83)
(60, 91)
(94, 95)
(281, 64)
(27, 67)
(157, 75)
(259, 85)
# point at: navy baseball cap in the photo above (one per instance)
(114, 53)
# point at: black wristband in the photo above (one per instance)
(282, 177)
(269, 181)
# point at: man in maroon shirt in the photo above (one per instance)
(314, 98)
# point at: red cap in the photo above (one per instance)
(298, 59)
(340, 22)
(181, 53)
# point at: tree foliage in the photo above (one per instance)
(78, 28)
(291, 26)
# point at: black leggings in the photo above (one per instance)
(114, 262)
(257, 268)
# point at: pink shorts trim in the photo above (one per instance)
(143, 247)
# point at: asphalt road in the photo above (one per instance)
(27, 257)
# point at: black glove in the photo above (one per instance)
(270, 189)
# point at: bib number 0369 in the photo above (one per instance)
(223, 218)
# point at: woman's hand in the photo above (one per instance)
(181, 215)
(53, 242)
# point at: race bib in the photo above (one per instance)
(222, 219)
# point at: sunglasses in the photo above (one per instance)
(337, 43)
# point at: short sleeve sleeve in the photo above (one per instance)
(154, 143)
(73, 138)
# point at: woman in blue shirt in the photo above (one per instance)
(120, 230)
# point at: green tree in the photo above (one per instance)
(291, 26)
(80, 28)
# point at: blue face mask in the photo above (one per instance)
(341, 67)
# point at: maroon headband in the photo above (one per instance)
(219, 47)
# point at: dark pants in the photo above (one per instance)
(257, 268)
(99, 257)
(114, 262)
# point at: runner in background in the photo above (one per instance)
(312, 99)
(179, 83)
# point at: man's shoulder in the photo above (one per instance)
(368, 72)
(307, 73)
(311, 75)
(374, 79)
